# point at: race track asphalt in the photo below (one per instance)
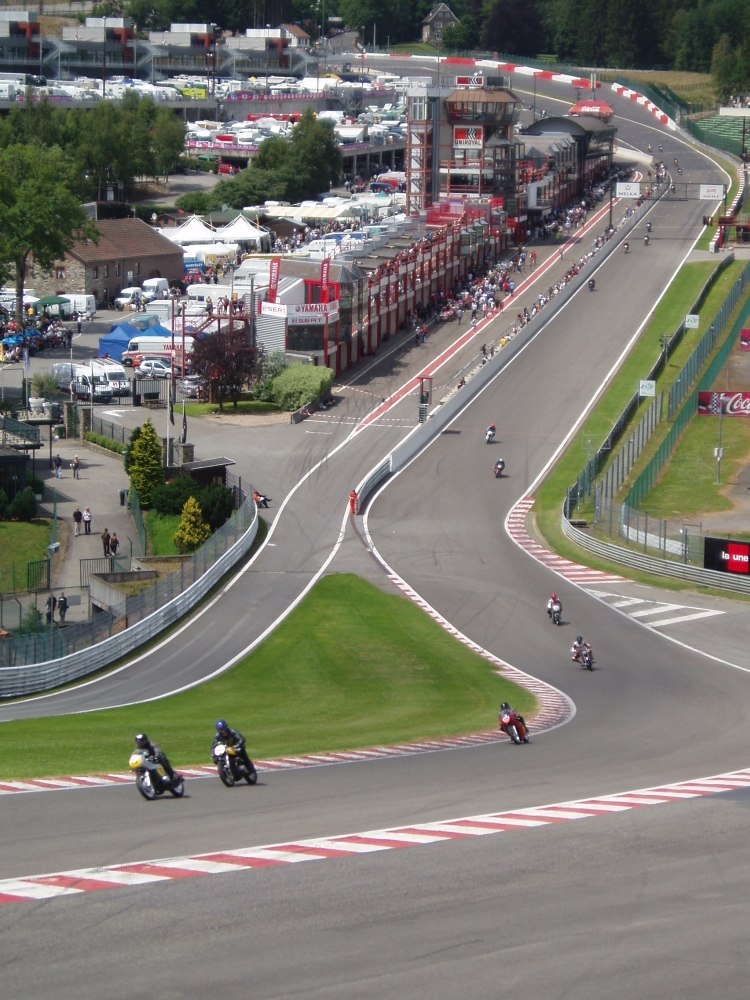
(649, 902)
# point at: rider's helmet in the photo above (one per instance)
(505, 707)
(141, 740)
(579, 638)
(222, 727)
(553, 597)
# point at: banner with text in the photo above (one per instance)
(732, 404)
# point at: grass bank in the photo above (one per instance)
(350, 667)
(21, 542)
(243, 406)
(160, 529)
(688, 484)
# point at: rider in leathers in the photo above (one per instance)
(231, 738)
(154, 750)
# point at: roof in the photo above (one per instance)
(293, 29)
(466, 96)
(208, 463)
(123, 238)
(580, 125)
(240, 229)
(439, 8)
(193, 231)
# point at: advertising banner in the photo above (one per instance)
(272, 309)
(726, 556)
(325, 268)
(469, 81)
(745, 340)
(732, 404)
(711, 192)
(468, 138)
(273, 278)
(626, 189)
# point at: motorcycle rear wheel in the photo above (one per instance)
(144, 786)
(178, 788)
(251, 776)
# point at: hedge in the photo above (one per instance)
(301, 384)
(104, 442)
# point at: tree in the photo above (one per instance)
(32, 622)
(725, 67)
(3, 505)
(314, 159)
(194, 202)
(512, 26)
(40, 217)
(128, 453)
(193, 530)
(227, 363)
(168, 140)
(462, 37)
(146, 463)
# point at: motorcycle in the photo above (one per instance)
(231, 767)
(626, 247)
(555, 613)
(512, 726)
(645, 240)
(490, 434)
(592, 284)
(499, 467)
(587, 658)
(648, 227)
(151, 778)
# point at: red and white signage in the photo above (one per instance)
(596, 109)
(468, 137)
(325, 269)
(726, 556)
(302, 314)
(745, 340)
(470, 81)
(269, 308)
(732, 404)
(273, 278)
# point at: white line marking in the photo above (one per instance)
(684, 618)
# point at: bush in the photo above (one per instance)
(32, 622)
(36, 484)
(216, 502)
(146, 468)
(193, 530)
(301, 384)
(104, 442)
(23, 507)
(3, 505)
(272, 365)
(44, 384)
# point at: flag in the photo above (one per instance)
(325, 268)
(171, 411)
(26, 358)
(184, 425)
(273, 278)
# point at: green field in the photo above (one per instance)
(243, 406)
(160, 529)
(688, 484)
(21, 542)
(350, 667)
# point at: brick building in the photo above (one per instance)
(128, 252)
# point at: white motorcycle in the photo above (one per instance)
(151, 779)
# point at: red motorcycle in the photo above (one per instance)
(513, 726)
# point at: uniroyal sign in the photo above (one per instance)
(732, 404)
(468, 137)
(726, 556)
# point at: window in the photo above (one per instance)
(105, 271)
(117, 269)
(94, 273)
(137, 267)
(418, 109)
(60, 273)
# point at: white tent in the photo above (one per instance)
(241, 230)
(194, 230)
(202, 251)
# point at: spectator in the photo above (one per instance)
(57, 463)
(62, 606)
(105, 541)
(114, 543)
(77, 518)
(70, 340)
(50, 607)
(86, 521)
(76, 467)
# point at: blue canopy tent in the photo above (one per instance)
(118, 339)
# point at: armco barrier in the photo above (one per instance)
(439, 419)
(33, 678)
(650, 564)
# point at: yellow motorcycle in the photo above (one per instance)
(151, 779)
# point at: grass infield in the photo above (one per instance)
(160, 529)
(243, 406)
(350, 667)
(21, 542)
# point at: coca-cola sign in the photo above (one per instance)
(731, 404)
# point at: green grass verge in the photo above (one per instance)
(21, 542)
(243, 406)
(414, 49)
(688, 486)
(350, 667)
(160, 529)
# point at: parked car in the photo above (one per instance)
(228, 168)
(154, 369)
(193, 387)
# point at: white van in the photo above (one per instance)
(157, 346)
(83, 304)
(155, 288)
(76, 379)
(114, 375)
(199, 293)
(127, 298)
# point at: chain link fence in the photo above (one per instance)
(626, 458)
(676, 539)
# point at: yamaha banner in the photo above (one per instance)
(726, 556)
(273, 278)
(325, 267)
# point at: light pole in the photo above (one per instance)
(719, 451)
(268, 28)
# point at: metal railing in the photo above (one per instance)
(137, 515)
(29, 664)
(627, 456)
(104, 564)
(115, 432)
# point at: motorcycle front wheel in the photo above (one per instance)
(178, 788)
(144, 786)
(225, 773)
(513, 733)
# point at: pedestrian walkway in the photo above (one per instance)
(100, 478)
